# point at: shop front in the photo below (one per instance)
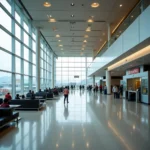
(136, 85)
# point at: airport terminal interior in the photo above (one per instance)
(96, 50)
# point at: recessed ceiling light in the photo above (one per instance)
(131, 16)
(95, 5)
(86, 36)
(88, 29)
(52, 20)
(72, 15)
(61, 45)
(72, 4)
(84, 41)
(57, 35)
(121, 5)
(90, 20)
(59, 40)
(46, 4)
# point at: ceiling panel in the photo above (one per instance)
(73, 29)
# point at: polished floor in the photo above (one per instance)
(90, 121)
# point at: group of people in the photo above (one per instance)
(81, 87)
(95, 88)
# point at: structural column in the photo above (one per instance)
(93, 80)
(108, 82)
(52, 71)
(38, 62)
(86, 72)
(13, 50)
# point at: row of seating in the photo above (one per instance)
(7, 115)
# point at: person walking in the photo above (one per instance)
(66, 92)
(101, 88)
(115, 91)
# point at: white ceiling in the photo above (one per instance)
(72, 30)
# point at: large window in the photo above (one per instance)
(18, 52)
(71, 70)
(5, 83)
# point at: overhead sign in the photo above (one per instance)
(134, 71)
(76, 76)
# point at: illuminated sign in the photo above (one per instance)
(134, 71)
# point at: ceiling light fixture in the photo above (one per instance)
(88, 29)
(61, 45)
(47, 4)
(86, 36)
(57, 35)
(90, 20)
(95, 5)
(52, 20)
(85, 41)
(59, 40)
(121, 5)
(72, 15)
(72, 4)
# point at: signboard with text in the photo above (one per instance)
(76, 76)
(134, 71)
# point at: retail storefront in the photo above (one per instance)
(136, 84)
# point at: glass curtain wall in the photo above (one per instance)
(18, 52)
(71, 70)
(45, 69)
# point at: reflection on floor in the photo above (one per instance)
(90, 121)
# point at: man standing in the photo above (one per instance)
(115, 91)
(66, 92)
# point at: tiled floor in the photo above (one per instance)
(90, 121)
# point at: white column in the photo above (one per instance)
(52, 71)
(86, 72)
(38, 62)
(93, 80)
(108, 82)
